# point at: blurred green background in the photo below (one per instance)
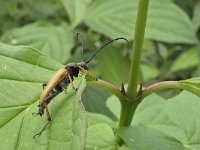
(171, 47)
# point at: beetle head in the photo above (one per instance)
(83, 65)
(73, 69)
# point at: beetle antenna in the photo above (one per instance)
(82, 46)
(121, 38)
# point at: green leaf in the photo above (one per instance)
(23, 70)
(192, 85)
(187, 59)
(94, 100)
(124, 147)
(54, 41)
(90, 77)
(149, 72)
(143, 138)
(113, 67)
(196, 16)
(173, 122)
(76, 10)
(150, 55)
(4, 10)
(40, 10)
(94, 118)
(101, 137)
(166, 22)
(114, 105)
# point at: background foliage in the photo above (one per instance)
(171, 51)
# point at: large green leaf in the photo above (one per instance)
(113, 67)
(76, 10)
(143, 138)
(166, 123)
(148, 72)
(196, 16)
(94, 118)
(162, 124)
(101, 137)
(54, 41)
(114, 105)
(166, 22)
(23, 70)
(94, 100)
(186, 60)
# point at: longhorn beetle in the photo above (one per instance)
(61, 79)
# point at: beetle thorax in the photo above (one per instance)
(73, 69)
(83, 65)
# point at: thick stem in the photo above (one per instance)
(159, 86)
(111, 88)
(137, 48)
(125, 116)
(127, 110)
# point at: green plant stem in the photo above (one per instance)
(159, 86)
(109, 87)
(127, 110)
(137, 48)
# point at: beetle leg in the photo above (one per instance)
(70, 79)
(64, 89)
(51, 96)
(46, 125)
(44, 85)
(83, 70)
(40, 111)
